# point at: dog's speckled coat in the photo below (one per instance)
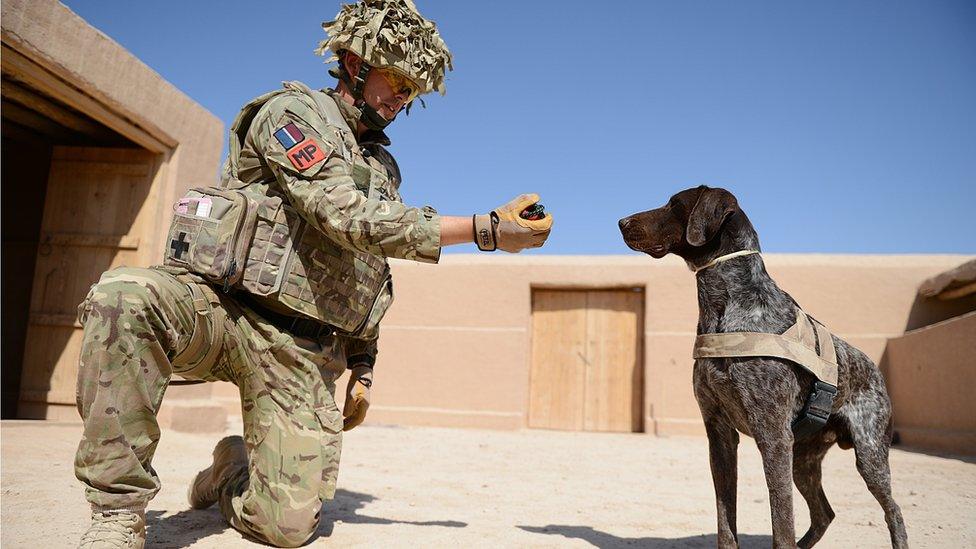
(760, 397)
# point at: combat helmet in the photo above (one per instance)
(391, 35)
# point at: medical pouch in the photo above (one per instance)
(211, 233)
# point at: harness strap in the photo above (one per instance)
(798, 344)
(827, 351)
(238, 134)
(789, 346)
(200, 354)
(329, 111)
(242, 124)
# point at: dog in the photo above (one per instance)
(761, 397)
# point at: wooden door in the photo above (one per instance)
(96, 211)
(587, 360)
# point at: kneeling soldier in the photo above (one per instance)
(276, 281)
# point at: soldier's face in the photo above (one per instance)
(383, 97)
(385, 93)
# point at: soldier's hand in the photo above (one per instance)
(505, 229)
(357, 396)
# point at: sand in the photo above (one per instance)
(408, 487)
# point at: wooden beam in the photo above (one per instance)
(955, 293)
(40, 124)
(36, 102)
(48, 398)
(56, 320)
(114, 241)
(18, 67)
(13, 130)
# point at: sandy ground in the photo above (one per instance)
(408, 487)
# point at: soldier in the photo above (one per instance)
(298, 302)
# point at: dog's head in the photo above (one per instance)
(689, 225)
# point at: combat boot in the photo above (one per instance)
(115, 530)
(230, 456)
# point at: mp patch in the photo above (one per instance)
(306, 154)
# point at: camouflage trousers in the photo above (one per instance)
(143, 325)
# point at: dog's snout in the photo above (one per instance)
(623, 223)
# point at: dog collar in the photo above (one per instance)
(724, 258)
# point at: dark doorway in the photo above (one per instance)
(33, 124)
(23, 182)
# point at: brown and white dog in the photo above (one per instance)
(761, 396)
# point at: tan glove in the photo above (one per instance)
(504, 229)
(357, 396)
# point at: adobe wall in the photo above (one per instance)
(454, 349)
(53, 36)
(65, 57)
(931, 375)
(455, 346)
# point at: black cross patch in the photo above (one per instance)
(179, 246)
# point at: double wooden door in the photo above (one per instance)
(587, 360)
(99, 213)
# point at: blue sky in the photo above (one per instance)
(842, 127)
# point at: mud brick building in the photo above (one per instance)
(97, 146)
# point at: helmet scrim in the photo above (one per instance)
(392, 35)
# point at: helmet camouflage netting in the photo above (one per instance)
(390, 34)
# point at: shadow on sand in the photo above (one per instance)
(604, 540)
(190, 526)
(184, 528)
(345, 507)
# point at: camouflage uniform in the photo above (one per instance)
(143, 325)
(314, 257)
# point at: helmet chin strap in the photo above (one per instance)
(371, 118)
(368, 115)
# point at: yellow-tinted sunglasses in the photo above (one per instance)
(399, 83)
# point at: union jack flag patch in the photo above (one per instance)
(289, 135)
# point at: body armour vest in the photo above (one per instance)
(274, 254)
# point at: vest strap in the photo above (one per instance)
(201, 353)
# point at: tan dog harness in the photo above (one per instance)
(797, 344)
(807, 343)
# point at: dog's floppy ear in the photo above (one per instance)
(708, 214)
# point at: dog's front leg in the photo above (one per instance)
(723, 444)
(775, 442)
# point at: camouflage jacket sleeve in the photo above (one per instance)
(359, 351)
(319, 184)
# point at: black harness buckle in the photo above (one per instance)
(816, 411)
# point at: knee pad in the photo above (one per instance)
(281, 535)
(116, 284)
